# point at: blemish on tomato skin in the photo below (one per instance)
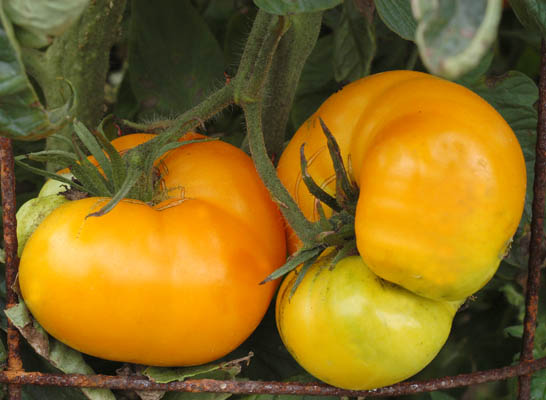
(505, 249)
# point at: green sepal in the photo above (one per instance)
(94, 148)
(50, 175)
(313, 187)
(346, 191)
(89, 175)
(64, 158)
(293, 261)
(301, 273)
(88, 185)
(130, 179)
(347, 250)
(118, 166)
(323, 220)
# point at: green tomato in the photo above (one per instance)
(32, 213)
(351, 329)
(53, 186)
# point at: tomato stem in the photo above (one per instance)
(288, 62)
(274, 29)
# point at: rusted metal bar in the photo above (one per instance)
(254, 387)
(7, 182)
(537, 233)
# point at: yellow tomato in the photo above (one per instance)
(441, 176)
(170, 285)
(351, 329)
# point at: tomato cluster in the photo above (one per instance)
(442, 185)
(441, 180)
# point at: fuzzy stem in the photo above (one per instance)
(209, 107)
(260, 27)
(80, 55)
(252, 102)
(301, 225)
(293, 50)
(253, 88)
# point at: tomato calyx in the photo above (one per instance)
(111, 174)
(336, 233)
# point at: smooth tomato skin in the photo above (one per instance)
(441, 175)
(172, 285)
(352, 330)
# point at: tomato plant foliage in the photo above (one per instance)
(148, 63)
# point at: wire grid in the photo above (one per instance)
(15, 375)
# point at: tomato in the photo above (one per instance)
(169, 285)
(351, 329)
(441, 177)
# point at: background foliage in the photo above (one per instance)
(169, 55)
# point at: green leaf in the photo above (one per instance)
(515, 298)
(44, 17)
(31, 392)
(515, 331)
(22, 117)
(285, 7)
(354, 45)
(58, 354)
(531, 14)
(174, 58)
(440, 396)
(316, 81)
(478, 71)
(398, 17)
(237, 30)
(318, 70)
(453, 36)
(538, 385)
(222, 370)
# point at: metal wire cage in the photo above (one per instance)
(15, 376)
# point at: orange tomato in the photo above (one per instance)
(441, 176)
(170, 285)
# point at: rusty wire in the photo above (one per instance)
(15, 376)
(12, 261)
(537, 233)
(261, 387)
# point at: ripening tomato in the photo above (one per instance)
(170, 285)
(441, 177)
(354, 330)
